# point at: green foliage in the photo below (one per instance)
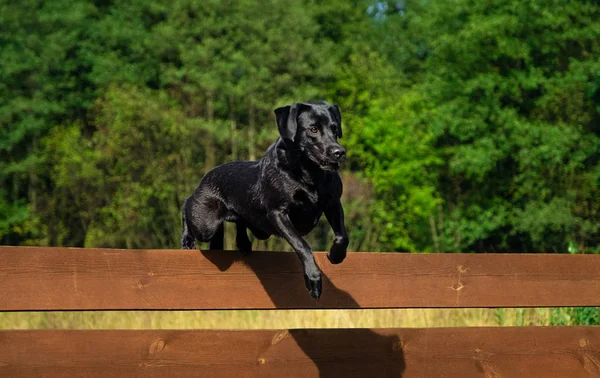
(122, 178)
(470, 126)
(404, 182)
(575, 316)
(509, 94)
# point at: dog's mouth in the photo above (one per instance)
(331, 166)
(325, 163)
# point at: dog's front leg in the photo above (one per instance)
(312, 275)
(335, 216)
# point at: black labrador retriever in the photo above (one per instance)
(284, 193)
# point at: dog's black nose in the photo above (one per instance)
(339, 153)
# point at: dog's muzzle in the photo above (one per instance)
(338, 154)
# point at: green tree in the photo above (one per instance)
(510, 94)
(216, 70)
(40, 81)
(123, 185)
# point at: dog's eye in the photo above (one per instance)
(314, 130)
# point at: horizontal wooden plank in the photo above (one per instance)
(34, 278)
(528, 352)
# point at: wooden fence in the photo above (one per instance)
(56, 279)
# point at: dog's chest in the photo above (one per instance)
(306, 209)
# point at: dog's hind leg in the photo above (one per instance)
(204, 220)
(188, 241)
(241, 239)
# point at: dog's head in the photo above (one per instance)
(313, 128)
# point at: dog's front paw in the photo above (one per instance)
(337, 253)
(314, 283)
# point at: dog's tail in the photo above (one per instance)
(187, 239)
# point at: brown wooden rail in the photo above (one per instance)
(101, 279)
(33, 278)
(519, 352)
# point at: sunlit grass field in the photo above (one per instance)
(283, 319)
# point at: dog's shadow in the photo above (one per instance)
(335, 352)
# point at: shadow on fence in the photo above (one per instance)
(333, 351)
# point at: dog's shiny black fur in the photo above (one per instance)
(284, 193)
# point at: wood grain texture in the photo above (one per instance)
(529, 352)
(35, 278)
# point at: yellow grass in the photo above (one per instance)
(276, 319)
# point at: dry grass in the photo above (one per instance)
(275, 319)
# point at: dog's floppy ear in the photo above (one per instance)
(287, 121)
(338, 115)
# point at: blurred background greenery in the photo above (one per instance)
(471, 126)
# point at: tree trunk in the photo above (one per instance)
(251, 133)
(441, 227)
(209, 140)
(234, 143)
(434, 235)
(234, 152)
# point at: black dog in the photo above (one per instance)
(284, 193)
